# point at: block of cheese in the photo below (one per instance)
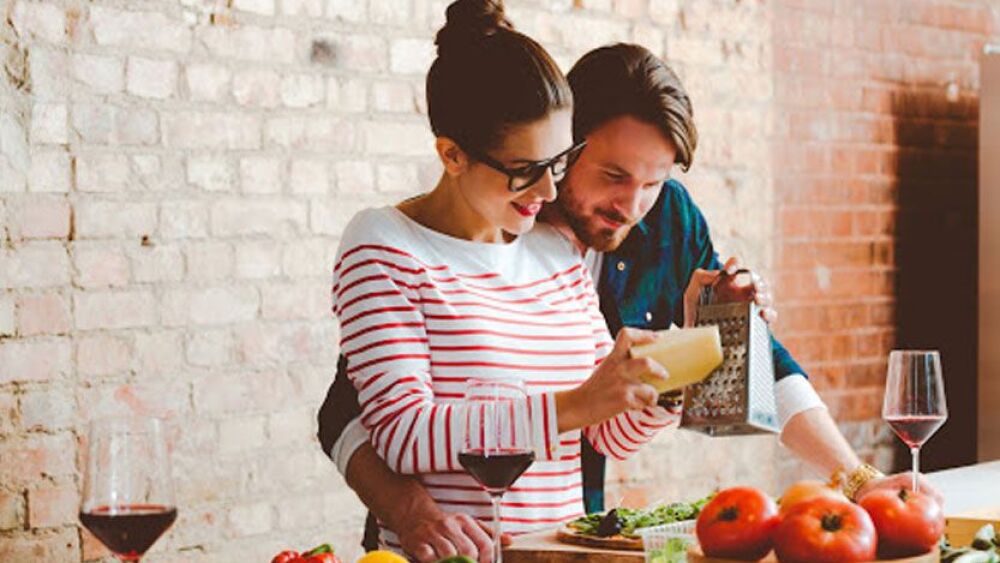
(689, 354)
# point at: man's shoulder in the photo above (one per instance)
(674, 209)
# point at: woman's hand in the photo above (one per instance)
(614, 387)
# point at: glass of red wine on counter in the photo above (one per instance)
(497, 445)
(914, 404)
(128, 497)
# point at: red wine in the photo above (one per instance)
(129, 530)
(915, 430)
(496, 470)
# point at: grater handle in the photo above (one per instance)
(707, 295)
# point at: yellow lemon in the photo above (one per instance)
(382, 556)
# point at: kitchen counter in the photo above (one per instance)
(969, 488)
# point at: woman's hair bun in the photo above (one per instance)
(468, 23)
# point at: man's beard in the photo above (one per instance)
(601, 239)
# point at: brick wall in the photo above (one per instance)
(174, 177)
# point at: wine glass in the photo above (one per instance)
(914, 404)
(128, 496)
(496, 446)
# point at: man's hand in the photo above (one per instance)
(728, 289)
(430, 537)
(900, 481)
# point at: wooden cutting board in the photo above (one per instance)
(544, 547)
(962, 527)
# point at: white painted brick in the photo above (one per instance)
(395, 178)
(295, 301)
(50, 172)
(393, 138)
(291, 426)
(208, 348)
(347, 95)
(114, 219)
(315, 133)
(362, 53)
(102, 354)
(260, 175)
(7, 320)
(101, 74)
(309, 257)
(48, 72)
(106, 124)
(158, 173)
(145, 30)
(257, 88)
(390, 12)
(214, 130)
(246, 217)
(209, 261)
(212, 306)
(309, 176)
(49, 123)
(40, 20)
(14, 142)
(34, 360)
(664, 11)
(207, 82)
(311, 8)
(114, 309)
(258, 260)
(212, 173)
(262, 7)
(330, 218)
(249, 43)
(347, 10)
(34, 265)
(302, 90)
(98, 265)
(152, 78)
(11, 179)
(158, 352)
(49, 409)
(157, 263)
(242, 434)
(40, 217)
(102, 172)
(394, 97)
(183, 219)
(251, 519)
(355, 176)
(43, 314)
(411, 56)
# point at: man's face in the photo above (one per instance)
(616, 181)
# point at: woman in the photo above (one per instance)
(457, 283)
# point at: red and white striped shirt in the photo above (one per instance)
(421, 312)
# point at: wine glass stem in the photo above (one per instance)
(497, 552)
(915, 452)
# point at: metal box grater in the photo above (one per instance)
(738, 397)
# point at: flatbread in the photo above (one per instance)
(617, 542)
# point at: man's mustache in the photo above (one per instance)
(615, 217)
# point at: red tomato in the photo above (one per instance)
(285, 557)
(737, 524)
(825, 530)
(908, 523)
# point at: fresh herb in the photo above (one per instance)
(674, 552)
(985, 548)
(628, 520)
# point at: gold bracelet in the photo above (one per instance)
(850, 482)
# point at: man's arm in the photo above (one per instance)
(401, 502)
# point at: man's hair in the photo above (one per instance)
(626, 79)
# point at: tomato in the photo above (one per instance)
(908, 523)
(803, 491)
(737, 524)
(825, 530)
(285, 557)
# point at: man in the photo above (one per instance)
(650, 251)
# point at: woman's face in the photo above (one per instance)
(486, 189)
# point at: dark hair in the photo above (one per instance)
(627, 79)
(488, 77)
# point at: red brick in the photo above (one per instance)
(52, 506)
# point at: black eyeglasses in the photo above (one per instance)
(523, 177)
